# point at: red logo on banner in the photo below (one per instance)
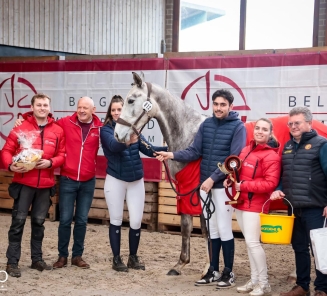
(10, 98)
(216, 78)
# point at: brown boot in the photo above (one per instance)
(40, 266)
(79, 262)
(13, 270)
(296, 291)
(61, 262)
(320, 293)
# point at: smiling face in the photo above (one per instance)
(298, 125)
(221, 107)
(116, 110)
(85, 109)
(41, 109)
(262, 132)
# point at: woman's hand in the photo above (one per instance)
(162, 155)
(238, 186)
(133, 139)
(277, 195)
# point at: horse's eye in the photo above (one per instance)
(130, 101)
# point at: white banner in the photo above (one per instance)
(65, 88)
(258, 92)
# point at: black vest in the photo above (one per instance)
(304, 182)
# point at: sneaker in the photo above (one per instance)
(118, 264)
(227, 280)
(40, 266)
(135, 263)
(248, 287)
(210, 278)
(13, 270)
(261, 290)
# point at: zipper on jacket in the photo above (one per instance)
(250, 194)
(39, 173)
(81, 152)
(209, 160)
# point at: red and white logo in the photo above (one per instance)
(216, 77)
(11, 89)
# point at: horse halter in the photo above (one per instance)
(147, 106)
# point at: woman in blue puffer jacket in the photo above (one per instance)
(124, 179)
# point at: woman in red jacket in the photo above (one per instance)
(259, 176)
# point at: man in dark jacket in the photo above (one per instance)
(34, 185)
(218, 137)
(304, 184)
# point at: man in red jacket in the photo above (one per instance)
(77, 179)
(34, 185)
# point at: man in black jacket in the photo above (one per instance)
(304, 184)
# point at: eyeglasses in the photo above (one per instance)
(295, 123)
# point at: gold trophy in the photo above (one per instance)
(231, 167)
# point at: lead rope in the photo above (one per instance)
(207, 203)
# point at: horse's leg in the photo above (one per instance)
(186, 229)
(205, 236)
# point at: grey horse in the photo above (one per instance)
(179, 123)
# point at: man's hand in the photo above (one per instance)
(18, 122)
(277, 195)
(43, 164)
(17, 169)
(162, 155)
(227, 183)
(206, 185)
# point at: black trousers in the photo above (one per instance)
(39, 200)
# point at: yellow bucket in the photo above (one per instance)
(276, 229)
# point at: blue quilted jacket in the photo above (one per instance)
(215, 140)
(124, 163)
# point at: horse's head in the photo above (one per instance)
(137, 110)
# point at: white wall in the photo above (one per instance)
(94, 27)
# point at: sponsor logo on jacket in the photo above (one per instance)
(49, 142)
(245, 163)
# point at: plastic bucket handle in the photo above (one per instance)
(270, 200)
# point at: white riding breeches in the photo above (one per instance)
(220, 223)
(116, 191)
(249, 223)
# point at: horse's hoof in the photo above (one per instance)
(173, 272)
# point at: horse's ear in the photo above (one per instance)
(137, 79)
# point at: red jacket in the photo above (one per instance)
(260, 173)
(80, 161)
(51, 141)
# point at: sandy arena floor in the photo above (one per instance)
(158, 250)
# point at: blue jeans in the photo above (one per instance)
(71, 191)
(305, 220)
